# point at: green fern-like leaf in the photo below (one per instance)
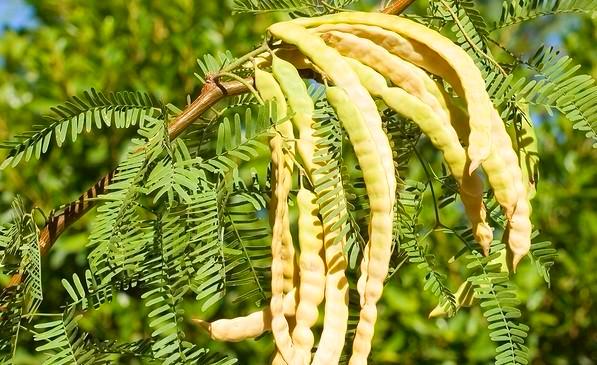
(12, 302)
(208, 277)
(499, 302)
(161, 297)
(247, 250)
(20, 255)
(408, 210)
(210, 65)
(88, 294)
(514, 12)
(239, 140)
(31, 263)
(543, 255)
(166, 286)
(330, 184)
(174, 175)
(403, 136)
(92, 109)
(119, 234)
(297, 7)
(555, 84)
(64, 343)
(469, 27)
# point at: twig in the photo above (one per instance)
(438, 222)
(211, 93)
(397, 6)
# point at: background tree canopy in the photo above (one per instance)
(53, 49)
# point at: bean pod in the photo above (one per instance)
(462, 71)
(443, 138)
(282, 267)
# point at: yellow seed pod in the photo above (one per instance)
(331, 63)
(400, 72)
(380, 228)
(443, 137)
(431, 46)
(269, 89)
(249, 326)
(312, 273)
(283, 265)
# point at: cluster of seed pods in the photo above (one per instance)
(363, 57)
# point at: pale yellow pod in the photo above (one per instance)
(443, 137)
(502, 169)
(280, 326)
(500, 163)
(336, 69)
(397, 45)
(380, 227)
(400, 72)
(328, 61)
(249, 326)
(311, 271)
(462, 73)
(516, 190)
(520, 230)
(277, 359)
(336, 285)
(331, 62)
(269, 89)
(283, 265)
(293, 57)
(411, 50)
(302, 107)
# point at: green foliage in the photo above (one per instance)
(552, 85)
(211, 65)
(182, 229)
(409, 209)
(329, 135)
(514, 12)
(240, 139)
(543, 254)
(20, 255)
(297, 7)
(93, 109)
(498, 300)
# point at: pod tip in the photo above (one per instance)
(473, 166)
(203, 324)
(516, 260)
(438, 311)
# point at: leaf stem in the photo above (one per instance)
(438, 222)
(241, 60)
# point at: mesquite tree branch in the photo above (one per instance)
(212, 92)
(397, 6)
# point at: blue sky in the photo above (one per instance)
(16, 14)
